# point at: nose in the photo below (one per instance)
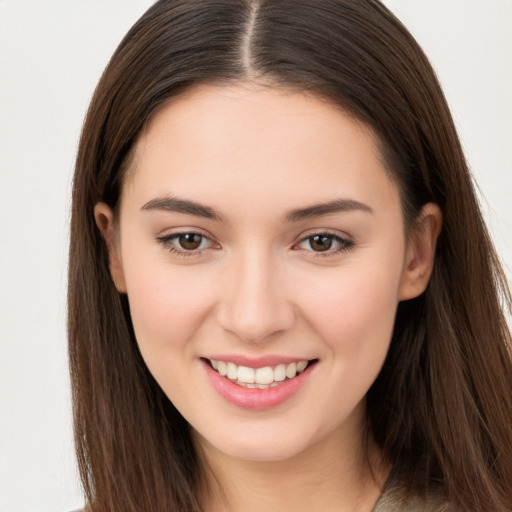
(255, 306)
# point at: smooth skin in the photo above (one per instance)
(251, 265)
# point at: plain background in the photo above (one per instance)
(51, 56)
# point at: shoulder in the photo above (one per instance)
(407, 503)
(396, 498)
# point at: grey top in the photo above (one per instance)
(394, 498)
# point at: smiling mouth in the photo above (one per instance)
(259, 378)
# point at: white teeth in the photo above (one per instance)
(232, 371)
(291, 370)
(260, 378)
(246, 374)
(280, 372)
(264, 375)
(301, 366)
(222, 368)
(256, 386)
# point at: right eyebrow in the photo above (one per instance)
(321, 209)
(174, 204)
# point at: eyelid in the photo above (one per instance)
(167, 240)
(345, 242)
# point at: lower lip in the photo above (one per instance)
(256, 399)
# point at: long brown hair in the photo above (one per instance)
(441, 408)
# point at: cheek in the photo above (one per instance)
(168, 308)
(168, 304)
(353, 312)
(364, 292)
(354, 321)
(362, 305)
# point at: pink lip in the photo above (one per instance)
(256, 399)
(254, 362)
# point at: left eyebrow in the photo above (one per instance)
(174, 204)
(318, 210)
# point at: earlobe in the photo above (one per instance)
(105, 221)
(419, 261)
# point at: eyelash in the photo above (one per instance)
(344, 244)
(170, 243)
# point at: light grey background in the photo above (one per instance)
(51, 56)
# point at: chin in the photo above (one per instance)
(260, 446)
(263, 454)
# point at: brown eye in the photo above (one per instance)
(186, 243)
(190, 241)
(326, 243)
(320, 243)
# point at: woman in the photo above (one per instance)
(282, 292)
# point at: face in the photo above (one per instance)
(261, 245)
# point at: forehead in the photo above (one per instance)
(256, 142)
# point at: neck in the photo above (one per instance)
(338, 473)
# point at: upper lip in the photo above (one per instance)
(256, 362)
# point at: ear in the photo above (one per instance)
(420, 254)
(105, 221)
